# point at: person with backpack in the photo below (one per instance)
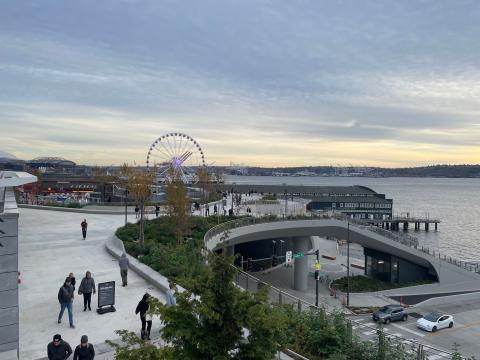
(65, 298)
(58, 349)
(145, 318)
(87, 287)
(85, 350)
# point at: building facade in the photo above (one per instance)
(9, 314)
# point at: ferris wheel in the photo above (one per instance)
(176, 153)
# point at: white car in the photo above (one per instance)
(435, 321)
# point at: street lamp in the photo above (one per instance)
(274, 242)
(281, 247)
(285, 195)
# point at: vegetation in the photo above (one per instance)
(360, 283)
(178, 205)
(209, 319)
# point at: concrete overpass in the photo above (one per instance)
(451, 277)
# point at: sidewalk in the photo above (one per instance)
(50, 247)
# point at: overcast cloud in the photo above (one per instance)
(282, 82)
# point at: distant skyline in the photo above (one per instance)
(265, 83)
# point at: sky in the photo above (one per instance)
(266, 83)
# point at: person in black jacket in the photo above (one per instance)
(65, 298)
(142, 308)
(85, 350)
(58, 349)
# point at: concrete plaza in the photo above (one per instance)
(51, 246)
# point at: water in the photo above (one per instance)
(456, 202)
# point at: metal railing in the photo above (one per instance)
(250, 283)
(402, 238)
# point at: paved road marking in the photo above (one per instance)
(407, 329)
(456, 327)
(435, 357)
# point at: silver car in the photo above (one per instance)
(390, 313)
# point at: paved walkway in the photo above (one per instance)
(51, 246)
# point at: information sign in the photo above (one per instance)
(106, 297)
(288, 258)
(298, 255)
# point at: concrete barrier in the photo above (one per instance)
(116, 248)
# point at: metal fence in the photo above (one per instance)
(250, 283)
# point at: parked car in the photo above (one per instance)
(390, 313)
(435, 321)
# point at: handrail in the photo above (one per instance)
(401, 238)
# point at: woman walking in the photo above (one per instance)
(142, 308)
(87, 287)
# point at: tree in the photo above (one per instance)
(213, 319)
(178, 204)
(139, 186)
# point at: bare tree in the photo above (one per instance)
(139, 186)
(178, 204)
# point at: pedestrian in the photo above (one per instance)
(215, 209)
(123, 263)
(85, 350)
(65, 298)
(72, 280)
(87, 287)
(207, 210)
(170, 296)
(58, 349)
(224, 211)
(146, 320)
(157, 210)
(84, 226)
(137, 209)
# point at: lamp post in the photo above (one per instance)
(348, 263)
(285, 195)
(281, 247)
(126, 202)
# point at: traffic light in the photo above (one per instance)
(317, 275)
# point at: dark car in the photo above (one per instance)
(390, 313)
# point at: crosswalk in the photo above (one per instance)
(368, 330)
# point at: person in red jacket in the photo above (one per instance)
(84, 226)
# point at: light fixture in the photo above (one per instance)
(380, 262)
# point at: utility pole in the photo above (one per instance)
(348, 263)
(286, 199)
(317, 274)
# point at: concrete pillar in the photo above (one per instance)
(427, 226)
(405, 226)
(230, 250)
(300, 275)
(436, 226)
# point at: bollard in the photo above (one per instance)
(299, 305)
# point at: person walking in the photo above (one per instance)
(58, 349)
(157, 210)
(85, 350)
(72, 280)
(146, 320)
(124, 263)
(87, 287)
(65, 298)
(215, 209)
(170, 296)
(137, 209)
(84, 226)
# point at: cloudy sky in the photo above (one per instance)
(281, 82)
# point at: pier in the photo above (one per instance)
(397, 222)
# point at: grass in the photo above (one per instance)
(360, 284)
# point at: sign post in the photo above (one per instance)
(106, 297)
